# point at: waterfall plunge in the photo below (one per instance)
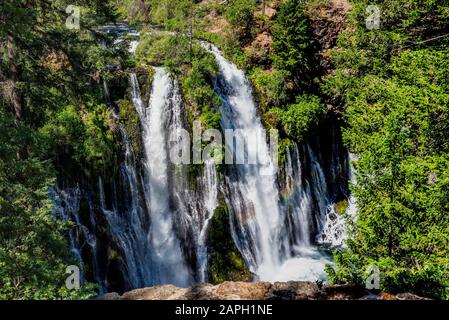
(259, 222)
(167, 261)
(258, 231)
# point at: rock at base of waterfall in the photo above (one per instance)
(230, 290)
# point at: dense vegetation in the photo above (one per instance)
(393, 86)
(51, 116)
(387, 87)
(225, 261)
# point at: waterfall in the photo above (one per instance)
(129, 229)
(157, 215)
(297, 198)
(67, 207)
(210, 202)
(258, 217)
(352, 206)
(167, 261)
(272, 228)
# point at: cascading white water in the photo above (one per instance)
(67, 207)
(333, 231)
(167, 224)
(128, 229)
(298, 198)
(352, 205)
(210, 185)
(305, 262)
(275, 240)
(259, 218)
(329, 222)
(167, 261)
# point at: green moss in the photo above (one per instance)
(342, 206)
(114, 255)
(145, 76)
(298, 119)
(131, 121)
(225, 262)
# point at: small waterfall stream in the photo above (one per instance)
(210, 184)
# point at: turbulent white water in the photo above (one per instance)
(259, 218)
(274, 231)
(167, 261)
(333, 232)
(67, 207)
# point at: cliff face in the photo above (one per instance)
(292, 290)
(328, 20)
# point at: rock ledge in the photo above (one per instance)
(229, 290)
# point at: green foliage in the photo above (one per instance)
(301, 117)
(396, 109)
(171, 51)
(270, 86)
(82, 136)
(194, 68)
(198, 90)
(51, 117)
(293, 44)
(341, 207)
(33, 247)
(225, 261)
(240, 15)
(131, 121)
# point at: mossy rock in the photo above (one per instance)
(145, 77)
(131, 121)
(225, 261)
(341, 206)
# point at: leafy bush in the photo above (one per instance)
(81, 136)
(299, 118)
(270, 86)
(397, 127)
(226, 262)
(240, 15)
(34, 250)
